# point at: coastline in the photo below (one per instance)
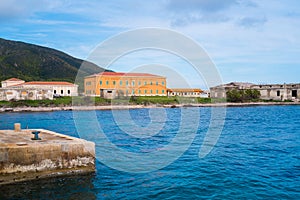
(125, 107)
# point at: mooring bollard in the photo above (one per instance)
(36, 135)
(17, 127)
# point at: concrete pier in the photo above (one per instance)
(22, 158)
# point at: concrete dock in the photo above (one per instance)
(52, 154)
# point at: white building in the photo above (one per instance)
(58, 88)
(185, 92)
(20, 90)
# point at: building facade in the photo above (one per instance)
(8, 94)
(58, 88)
(220, 90)
(280, 92)
(185, 92)
(20, 90)
(117, 84)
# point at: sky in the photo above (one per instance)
(254, 41)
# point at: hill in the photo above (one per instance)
(32, 62)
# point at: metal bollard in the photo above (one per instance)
(36, 135)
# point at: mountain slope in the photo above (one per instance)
(31, 62)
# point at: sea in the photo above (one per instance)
(154, 153)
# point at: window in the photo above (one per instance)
(156, 82)
(139, 82)
(145, 83)
(69, 92)
(278, 93)
(120, 82)
(132, 92)
(114, 82)
(126, 82)
(54, 91)
(163, 91)
(151, 83)
(107, 82)
(132, 83)
(88, 83)
(139, 91)
(162, 82)
(156, 91)
(100, 82)
(151, 91)
(61, 91)
(294, 93)
(145, 91)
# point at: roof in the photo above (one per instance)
(234, 85)
(48, 83)
(125, 74)
(185, 90)
(13, 79)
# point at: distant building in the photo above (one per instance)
(268, 91)
(185, 92)
(279, 91)
(20, 90)
(11, 82)
(117, 84)
(220, 90)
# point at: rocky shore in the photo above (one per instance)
(122, 107)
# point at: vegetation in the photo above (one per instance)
(35, 63)
(248, 95)
(97, 101)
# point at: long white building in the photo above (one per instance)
(20, 90)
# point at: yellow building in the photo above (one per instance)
(118, 84)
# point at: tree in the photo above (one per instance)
(242, 95)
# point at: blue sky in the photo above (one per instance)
(248, 40)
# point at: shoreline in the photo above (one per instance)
(125, 107)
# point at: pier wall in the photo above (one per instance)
(22, 158)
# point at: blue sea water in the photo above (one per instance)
(257, 156)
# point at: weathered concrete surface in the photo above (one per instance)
(22, 158)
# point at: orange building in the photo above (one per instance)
(118, 84)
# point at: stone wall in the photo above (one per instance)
(8, 94)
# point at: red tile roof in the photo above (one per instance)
(13, 79)
(184, 90)
(47, 83)
(124, 74)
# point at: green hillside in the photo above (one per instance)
(31, 62)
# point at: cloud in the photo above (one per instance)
(200, 5)
(250, 22)
(188, 12)
(14, 9)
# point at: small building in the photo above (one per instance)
(118, 84)
(11, 82)
(185, 92)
